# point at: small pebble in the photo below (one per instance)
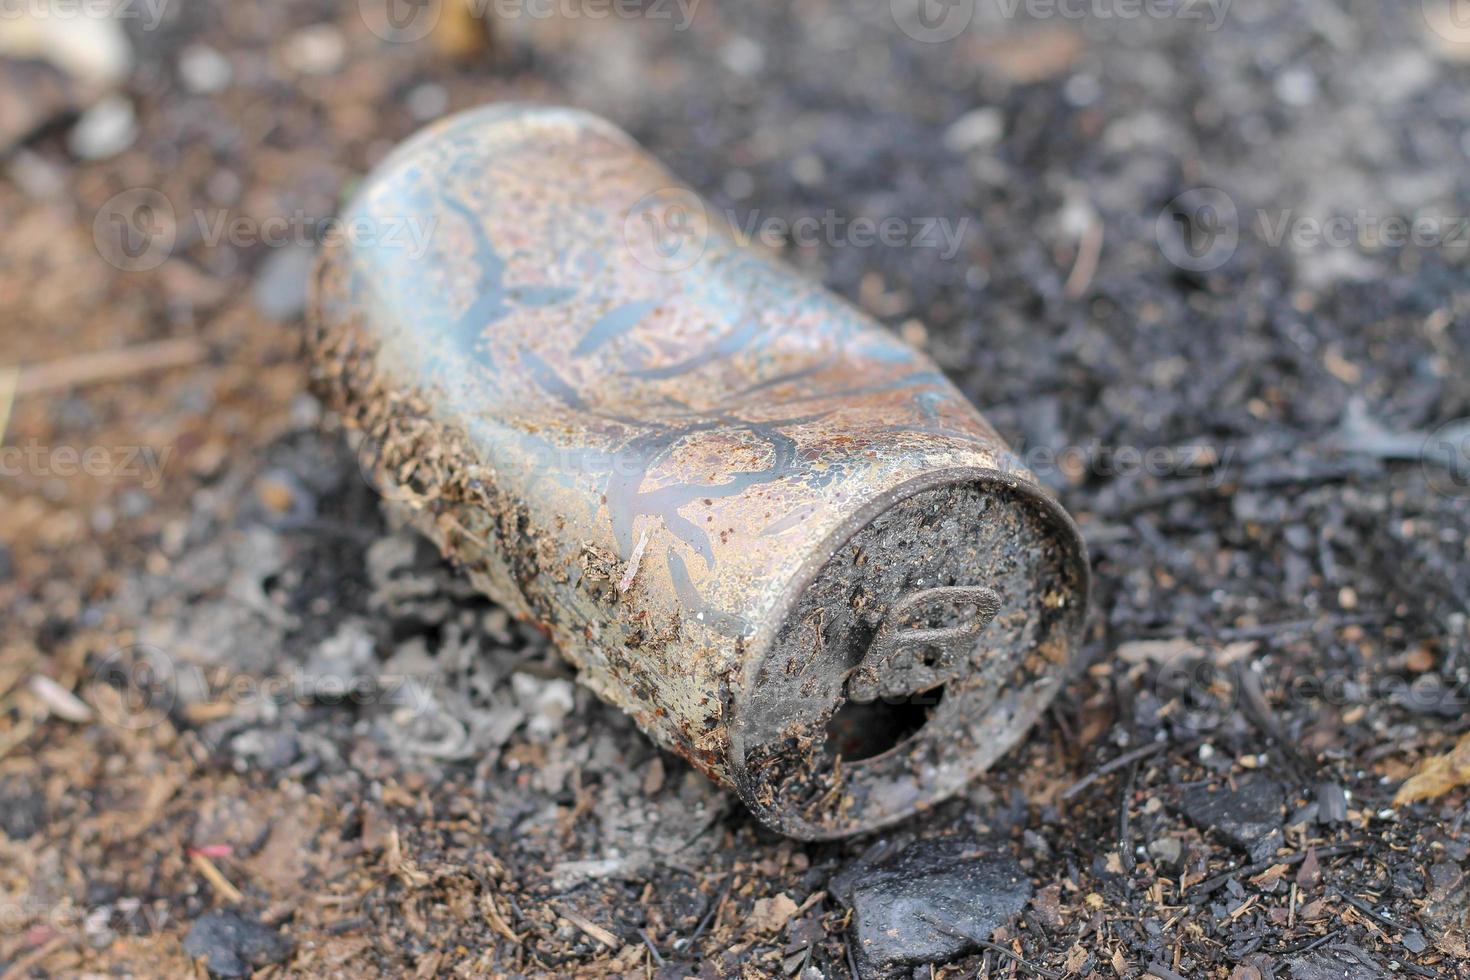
(743, 56)
(275, 493)
(808, 169)
(38, 177)
(287, 501)
(24, 814)
(1296, 87)
(234, 946)
(925, 904)
(316, 50)
(104, 130)
(428, 101)
(204, 70)
(975, 130)
(1336, 962)
(283, 282)
(1166, 850)
(547, 702)
(1082, 90)
(738, 185)
(1247, 814)
(1332, 803)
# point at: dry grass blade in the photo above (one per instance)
(592, 929)
(111, 365)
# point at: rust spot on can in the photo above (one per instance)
(751, 517)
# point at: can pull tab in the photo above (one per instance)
(904, 659)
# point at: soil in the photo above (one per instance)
(248, 725)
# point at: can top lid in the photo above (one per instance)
(920, 651)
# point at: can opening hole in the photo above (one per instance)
(865, 731)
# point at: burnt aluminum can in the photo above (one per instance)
(749, 515)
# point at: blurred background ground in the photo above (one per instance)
(1279, 632)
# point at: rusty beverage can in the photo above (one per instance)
(749, 516)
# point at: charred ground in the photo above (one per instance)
(1279, 624)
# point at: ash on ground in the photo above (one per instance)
(245, 725)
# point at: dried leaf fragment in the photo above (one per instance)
(1437, 776)
(770, 914)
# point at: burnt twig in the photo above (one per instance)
(1015, 958)
(1125, 830)
(1214, 884)
(1127, 758)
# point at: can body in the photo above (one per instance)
(747, 514)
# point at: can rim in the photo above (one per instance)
(1072, 545)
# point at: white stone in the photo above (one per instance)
(316, 50)
(428, 101)
(85, 44)
(1296, 87)
(743, 56)
(104, 130)
(204, 70)
(975, 130)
